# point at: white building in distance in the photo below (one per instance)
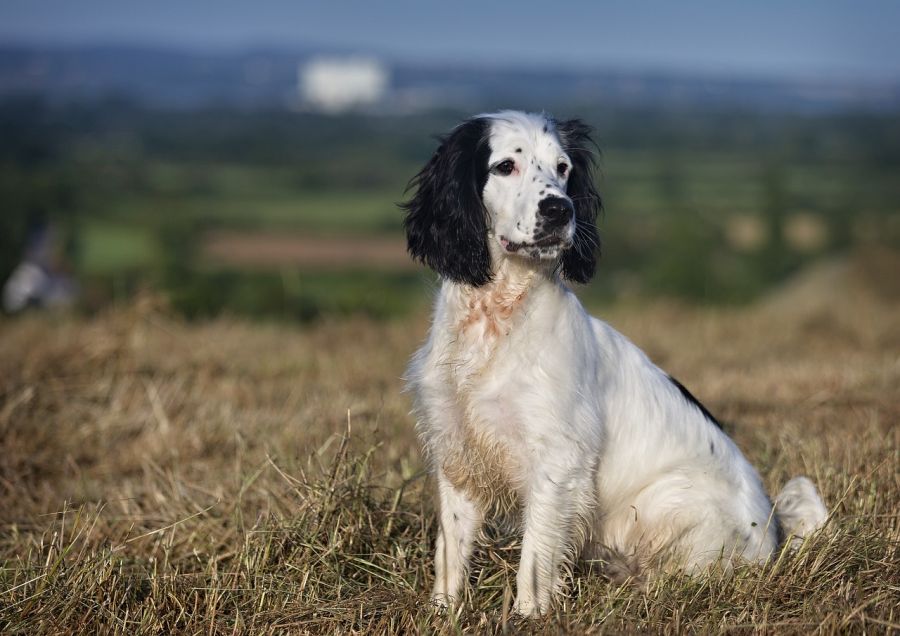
(338, 84)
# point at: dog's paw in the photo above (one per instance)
(441, 601)
(528, 607)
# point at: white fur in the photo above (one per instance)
(525, 403)
(513, 201)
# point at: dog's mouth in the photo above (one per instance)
(546, 247)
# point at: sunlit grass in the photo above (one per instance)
(158, 476)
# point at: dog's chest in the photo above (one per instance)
(487, 454)
(487, 457)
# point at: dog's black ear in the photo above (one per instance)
(580, 260)
(446, 222)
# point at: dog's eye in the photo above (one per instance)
(505, 168)
(562, 169)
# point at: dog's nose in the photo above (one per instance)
(555, 211)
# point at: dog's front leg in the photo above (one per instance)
(550, 515)
(460, 520)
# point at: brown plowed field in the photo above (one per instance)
(271, 249)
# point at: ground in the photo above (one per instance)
(158, 476)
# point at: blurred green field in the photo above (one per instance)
(109, 247)
(710, 207)
(266, 207)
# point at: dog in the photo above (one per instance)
(529, 408)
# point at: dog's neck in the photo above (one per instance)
(490, 310)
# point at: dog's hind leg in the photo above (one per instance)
(460, 520)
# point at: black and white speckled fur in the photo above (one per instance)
(521, 396)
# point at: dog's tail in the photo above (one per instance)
(799, 509)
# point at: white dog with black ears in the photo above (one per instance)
(527, 405)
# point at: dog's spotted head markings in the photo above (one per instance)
(507, 185)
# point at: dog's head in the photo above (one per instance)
(507, 185)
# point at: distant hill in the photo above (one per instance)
(262, 78)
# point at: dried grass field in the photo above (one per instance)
(160, 477)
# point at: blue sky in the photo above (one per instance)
(802, 38)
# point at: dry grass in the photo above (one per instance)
(159, 477)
